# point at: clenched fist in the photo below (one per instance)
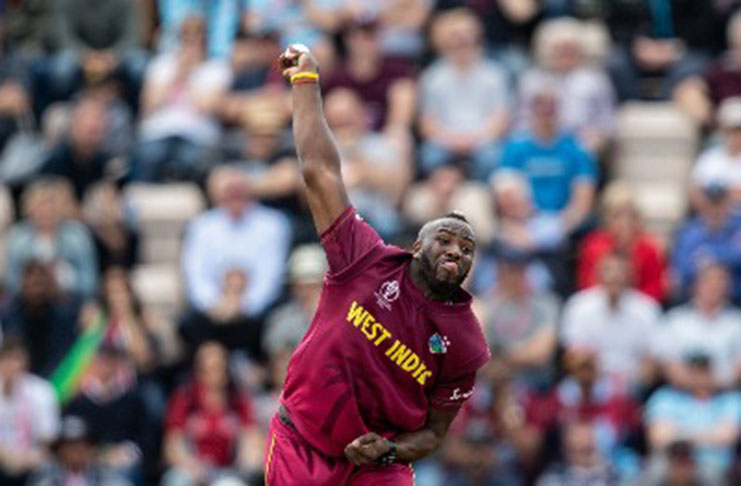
(367, 449)
(296, 59)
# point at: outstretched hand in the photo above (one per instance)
(367, 449)
(295, 59)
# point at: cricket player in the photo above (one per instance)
(393, 349)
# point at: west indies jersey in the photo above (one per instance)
(378, 354)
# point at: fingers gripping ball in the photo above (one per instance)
(295, 60)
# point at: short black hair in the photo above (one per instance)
(455, 214)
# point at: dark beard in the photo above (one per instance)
(439, 288)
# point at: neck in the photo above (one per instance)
(416, 274)
(545, 133)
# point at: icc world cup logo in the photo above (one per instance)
(388, 293)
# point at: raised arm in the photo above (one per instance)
(319, 159)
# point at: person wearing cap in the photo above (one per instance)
(721, 164)
(713, 235)
(615, 321)
(697, 412)
(75, 459)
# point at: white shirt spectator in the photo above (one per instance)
(716, 166)
(620, 337)
(463, 102)
(257, 243)
(179, 115)
(685, 332)
(585, 95)
(29, 414)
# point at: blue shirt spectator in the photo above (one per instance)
(692, 417)
(713, 236)
(221, 17)
(553, 168)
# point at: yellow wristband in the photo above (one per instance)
(305, 75)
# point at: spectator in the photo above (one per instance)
(181, 94)
(707, 419)
(585, 97)
(43, 317)
(622, 232)
(75, 459)
(477, 451)
(714, 235)
(110, 403)
(616, 322)
(700, 95)
(520, 323)
(221, 18)
(538, 236)
(721, 165)
(375, 168)
(27, 27)
(230, 277)
(286, 325)
(253, 58)
(386, 86)
(209, 432)
(707, 325)
(266, 156)
(29, 415)
(561, 173)
(81, 157)
(96, 40)
(586, 394)
(112, 225)
(446, 190)
(666, 44)
(15, 98)
(679, 469)
(401, 24)
(463, 99)
(47, 234)
(582, 462)
(294, 21)
(129, 325)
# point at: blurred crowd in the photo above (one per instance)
(617, 351)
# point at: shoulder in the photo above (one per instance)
(435, 72)
(642, 304)
(712, 156)
(585, 300)
(272, 218)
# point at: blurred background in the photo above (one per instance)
(159, 264)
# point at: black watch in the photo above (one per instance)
(390, 456)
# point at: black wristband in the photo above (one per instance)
(390, 456)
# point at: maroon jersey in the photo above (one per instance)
(378, 354)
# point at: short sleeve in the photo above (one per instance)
(450, 396)
(348, 240)
(586, 167)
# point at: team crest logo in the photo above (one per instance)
(388, 293)
(438, 344)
